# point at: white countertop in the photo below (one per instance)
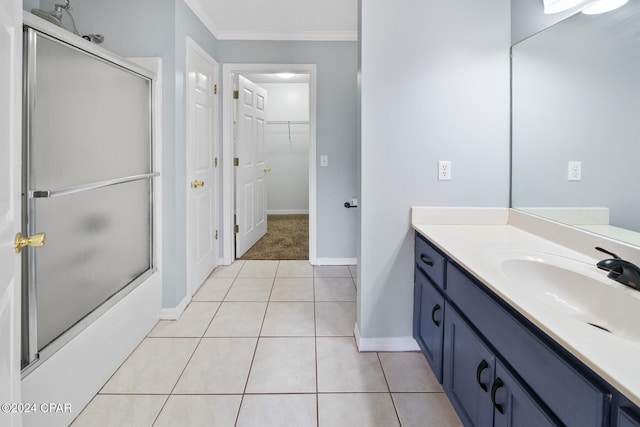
(473, 237)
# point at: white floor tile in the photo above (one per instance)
(193, 322)
(199, 411)
(353, 269)
(292, 289)
(259, 269)
(120, 410)
(250, 289)
(283, 365)
(153, 368)
(294, 269)
(334, 289)
(228, 270)
(335, 319)
(361, 409)
(331, 271)
(219, 365)
(214, 289)
(237, 319)
(341, 368)
(271, 343)
(409, 372)
(289, 319)
(282, 410)
(425, 410)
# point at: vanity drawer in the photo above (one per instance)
(430, 261)
(572, 397)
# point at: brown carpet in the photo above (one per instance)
(287, 238)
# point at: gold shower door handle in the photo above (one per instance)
(34, 241)
(266, 170)
(196, 184)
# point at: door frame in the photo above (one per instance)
(193, 48)
(10, 216)
(228, 176)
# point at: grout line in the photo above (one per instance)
(315, 344)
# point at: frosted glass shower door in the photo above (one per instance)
(89, 184)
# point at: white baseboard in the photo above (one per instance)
(289, 212)
(336, 261)
(174, 313)
(395, 344)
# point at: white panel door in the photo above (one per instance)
(10, 170)
(202, 211)
(251, 192)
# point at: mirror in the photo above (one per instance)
(576, 123)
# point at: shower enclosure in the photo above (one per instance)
(87, 183)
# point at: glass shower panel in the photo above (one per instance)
(98, 241)
(91, 119)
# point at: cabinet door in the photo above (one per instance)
(468, 372)
(429, 322)
(627, 418)
(514, 407)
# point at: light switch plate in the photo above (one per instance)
(324, 160)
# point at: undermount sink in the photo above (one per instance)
(574, 288)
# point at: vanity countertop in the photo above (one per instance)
(475, 237)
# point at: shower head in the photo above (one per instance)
(55, 16)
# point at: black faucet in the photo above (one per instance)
(620, 270)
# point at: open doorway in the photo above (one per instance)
(285, 152)
(284, 162)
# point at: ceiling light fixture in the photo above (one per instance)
(285, 75)
(555, 6)
(603, 6)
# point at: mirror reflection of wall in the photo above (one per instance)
(576, 97)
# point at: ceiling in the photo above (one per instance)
(274, 78)
(279, 19)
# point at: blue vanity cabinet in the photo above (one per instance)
(428, 321)
(429, 303)
(430, 261)
(496, 367)
(627, 418)
(469, 368)
(480, 387)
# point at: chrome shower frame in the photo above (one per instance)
(32, 357)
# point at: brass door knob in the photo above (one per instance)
(196, 184)
(34, 241)
(266, 170)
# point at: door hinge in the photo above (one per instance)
(236, 161)
(236, 94)
(215, 162)
(236, 228)
(216, 234)
(215, 89)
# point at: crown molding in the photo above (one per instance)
(219, 34)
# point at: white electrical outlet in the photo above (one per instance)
(574, 171)
(444, 170)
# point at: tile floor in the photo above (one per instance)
(268, 343)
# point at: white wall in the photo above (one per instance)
(434, 86)
(287, 153)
